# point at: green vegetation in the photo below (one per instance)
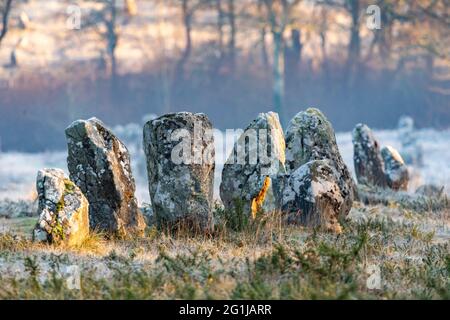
(261, 259)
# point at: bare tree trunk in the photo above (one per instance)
(112, 39)
(220, 38)
(264, 54)
(5, 17)
(323, 29)
(297, 47)
(354, 47)
(220, 23)
(385, 44)
(232, 43)
(187, 23)
(278, 72)
(263, 33)
(293, 54)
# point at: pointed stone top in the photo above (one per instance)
(84, 122)
(362, 133)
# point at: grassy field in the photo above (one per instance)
(406, 241)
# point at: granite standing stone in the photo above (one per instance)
(180, 155)
(369, 166)
(99, 164)
(310, 136)
(256, 162)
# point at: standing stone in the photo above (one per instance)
(180, 153)
(99, 164)
(309, 137)
(249, 174)
(312, 196)
(395, 168)
(369, 166)
(63, 209)
(411, 150)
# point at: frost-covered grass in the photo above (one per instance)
(264, 260)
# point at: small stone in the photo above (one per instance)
(180, 154)
(63, 209)
(369, 166)
(310, 136)
(250, 173)
(396, 171)
(312, 196)
(99, 164)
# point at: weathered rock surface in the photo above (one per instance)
(312, 196)
(180, 154)
(249, 174)
(369, 166)
(310, 136)
(99, 164)
(395, 168)
(63, 209)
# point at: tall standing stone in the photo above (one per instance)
(99, 164)
(310, 136)
(180, 154)
(369, 166)
(63, 209)
(396, 171)
(256, 161)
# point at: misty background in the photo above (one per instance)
(231, 59)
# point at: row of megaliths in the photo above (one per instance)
(383, 168)
(302, 175)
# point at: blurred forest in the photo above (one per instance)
(119, 60)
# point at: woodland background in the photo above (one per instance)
(121, 60)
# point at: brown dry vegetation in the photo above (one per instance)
(261, 259)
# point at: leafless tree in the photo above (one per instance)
(188, 9)
(5, 10)
(278, 15)
(105, 21)
(354, 10)
(233, 30)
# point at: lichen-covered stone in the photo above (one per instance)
(257, 159)
(310, 136)
(312, 196)
(99, 164)
(63, 209)
(395, 168)
(369, 166)
(180, 154)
